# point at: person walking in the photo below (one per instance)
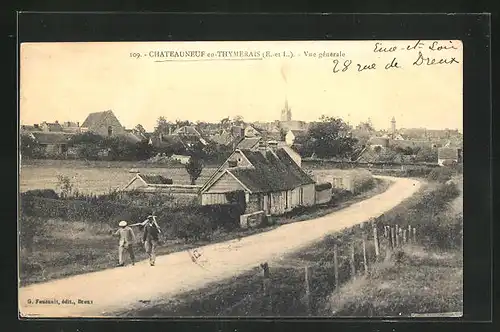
(127, 239)
(150, 238)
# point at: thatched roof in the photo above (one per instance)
(155, 179)
(271, 172)
(52, 137)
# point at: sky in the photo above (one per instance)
(67, 81)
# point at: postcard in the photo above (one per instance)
(241, 179)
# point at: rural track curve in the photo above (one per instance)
(121, 288)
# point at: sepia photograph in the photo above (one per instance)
(241, 179)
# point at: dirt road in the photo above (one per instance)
(101, 293)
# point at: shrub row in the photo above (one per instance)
(362, 180)
(193, 222)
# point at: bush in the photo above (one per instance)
(440, 174)
(46, 193)
(29, 227)
(362, 180)
(191, 227)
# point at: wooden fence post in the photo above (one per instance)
(385, 231)
(336, 266)
(393, 239)
(404, 235)
(414, 235)
(352, 261)
(396, 231)
(375, 240)
(266, 283)
(409, 233)
(308, 289)
(363, 239)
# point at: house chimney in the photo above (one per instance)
(56, 122)
(273, 145)
(78, 124)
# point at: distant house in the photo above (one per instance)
(270, 178)
(70, 127)
(51, 127)
(449, 155)
(224, 138)
(53, 143)
(293, 125)
(249, 143)
(104, 124)
(189, 135)
(134, 136)
(181, 158)
(250, 131)
(187, 131)
(383, 142)
(292, 134)
(30, 128)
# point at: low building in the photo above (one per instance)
(53, 143)
(449, 155)
(271, 180)
(51, 127)
(158, 184)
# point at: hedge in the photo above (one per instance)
(193, 222)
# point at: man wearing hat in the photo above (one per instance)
(150, 238)
(127, 239)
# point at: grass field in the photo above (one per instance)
(100, 177)
(426, 281)
(96, 179)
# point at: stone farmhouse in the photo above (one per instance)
(103, 123)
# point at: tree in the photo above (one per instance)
(182, 123)
(225, 124)
(88, 145)
(194, 168)
(143, 150)
(30, 147)
(330, 137)
(238, 120)
(283, 133)
(65, 186)
(140, 129)
(426, 154)
(162, 126)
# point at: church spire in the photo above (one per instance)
(286, 112)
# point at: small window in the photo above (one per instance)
(110, 130)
